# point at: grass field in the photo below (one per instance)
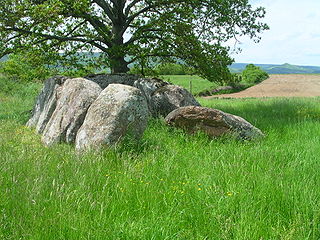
(198, 84)
(170, 185)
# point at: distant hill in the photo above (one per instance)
(269, 68)
(278, 69)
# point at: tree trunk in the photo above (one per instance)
(117, 58)
(119, 65)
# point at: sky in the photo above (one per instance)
(294, 35)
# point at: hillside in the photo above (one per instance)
(279, 69)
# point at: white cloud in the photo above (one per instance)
(294, 34)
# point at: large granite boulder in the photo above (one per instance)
(119, 111)
(75, 98)
(214, 123)
(170, 97)
(46, 103)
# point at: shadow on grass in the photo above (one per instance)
(274, 113)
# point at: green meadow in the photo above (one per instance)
(168, 186)
(198, 84)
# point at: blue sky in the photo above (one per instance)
(294, 35)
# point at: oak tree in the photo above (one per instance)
(194, 32)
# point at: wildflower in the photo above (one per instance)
(229, 194)
(199, 189)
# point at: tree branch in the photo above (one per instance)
(133, 16)
(60, 38)
(99, 26)
(134, 38)
(131, 5)
(106, 8)
(76, 27)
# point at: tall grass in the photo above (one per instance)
(170, 185)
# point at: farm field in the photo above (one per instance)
(170, 185)
(282, 85)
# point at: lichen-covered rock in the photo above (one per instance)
(161, 96)
(46, 103)
(75, 98)
(105, 79)
(120, 110)
(170, 97)
(213, 122)
(148, 86)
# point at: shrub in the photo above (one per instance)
(172, 69)
(253, 74)
(77, 72)
(144, 72)
(23, 68)
(234, 80)
(32, 66)
(6, 86)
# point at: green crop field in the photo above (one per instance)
(168, 186)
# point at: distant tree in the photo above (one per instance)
(128, 31)
(253, 74)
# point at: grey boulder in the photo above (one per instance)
(119, 111)
(170, 97)
(75, 98)
(148, 86)
(212, 122)
(161, 96)
(46, 103)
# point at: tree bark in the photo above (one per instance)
(117, 58)
(119, 65)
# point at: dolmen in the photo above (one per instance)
(101, 110)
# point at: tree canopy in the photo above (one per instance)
(254, 74)
(127, 31)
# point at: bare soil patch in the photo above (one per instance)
(281, 85)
